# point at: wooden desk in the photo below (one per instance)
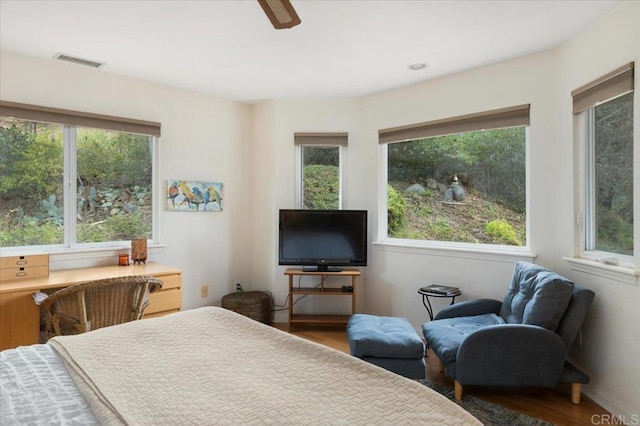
(20, 316)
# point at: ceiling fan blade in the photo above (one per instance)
(281, 13)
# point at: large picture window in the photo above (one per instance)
(605, 111)
(109, 195)
(462, 180)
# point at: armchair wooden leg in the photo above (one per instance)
(576, 390)
(457, 390)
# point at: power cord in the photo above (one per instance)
(284, 306)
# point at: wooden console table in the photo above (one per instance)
(321, 290)
(20, 316)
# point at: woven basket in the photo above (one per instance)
(253, 304)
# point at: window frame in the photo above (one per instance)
(320, 139)
(587, 200)
(615, 266)
(516, 116)
(299, 178)
(71, 120)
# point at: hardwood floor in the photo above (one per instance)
(551, 405)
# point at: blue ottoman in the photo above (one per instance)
(387, 342)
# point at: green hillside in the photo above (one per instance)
(428, 216)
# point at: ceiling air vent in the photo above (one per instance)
(78, 61)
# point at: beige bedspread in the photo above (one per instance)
(213, 366)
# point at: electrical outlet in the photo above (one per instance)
(204, 291)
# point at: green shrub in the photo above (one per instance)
(321, 187)
(120, 227)
(410, 234)
(440, 230)
(502, 233)
(127, 227)
(396, 207)
(92, 233)
(31, 163)
(614, 233)
(29, 233)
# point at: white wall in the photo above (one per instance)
(203, 138)
(273, 176)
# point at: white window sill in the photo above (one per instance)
(612, 272)
(485, 253)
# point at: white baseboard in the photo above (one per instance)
(624, 415)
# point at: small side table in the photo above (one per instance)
(426, 294)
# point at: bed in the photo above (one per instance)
(207, 366)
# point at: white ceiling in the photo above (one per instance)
(342, 48)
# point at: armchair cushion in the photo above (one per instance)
(536, 296)
(445, 336)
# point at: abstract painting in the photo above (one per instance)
(194, 196)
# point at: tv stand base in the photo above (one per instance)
(321, 290)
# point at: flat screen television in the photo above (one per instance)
(322, 240)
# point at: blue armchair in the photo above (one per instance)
(521, 341)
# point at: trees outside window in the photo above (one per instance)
(604, 141)
(465, 188)
(110, 196)
(31, 183)
(609, 177)
(320, 177)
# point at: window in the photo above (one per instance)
(320, 178)
(109, 197)
(458, 181)
(31, 183)
(605, 113)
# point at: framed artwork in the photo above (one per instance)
(194, 196)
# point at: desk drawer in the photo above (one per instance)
(170, 281)
(164, 300)
(22, 273)
(10, 262)
(23, 267)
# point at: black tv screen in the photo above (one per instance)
(323, 239)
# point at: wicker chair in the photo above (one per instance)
(95, 304)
